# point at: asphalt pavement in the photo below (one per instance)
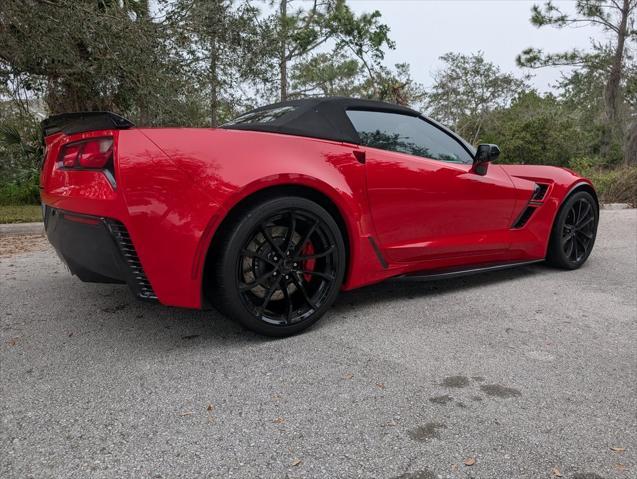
(527, 373)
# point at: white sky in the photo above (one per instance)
(426, 29)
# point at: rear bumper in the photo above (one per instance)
(96, 250)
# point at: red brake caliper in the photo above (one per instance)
(309, 264)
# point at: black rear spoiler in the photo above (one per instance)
(70, 123)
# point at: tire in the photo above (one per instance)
(574, 231)
(279, 267)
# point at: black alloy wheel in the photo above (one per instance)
(282, 266)
(574, 231)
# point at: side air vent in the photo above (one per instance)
(524, 217)
(143, 288)
(540, 192)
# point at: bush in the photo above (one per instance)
(21, 151)
(617, 185)
(27, 193)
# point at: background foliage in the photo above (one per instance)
(201, 62)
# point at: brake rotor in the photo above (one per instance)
(254, 268)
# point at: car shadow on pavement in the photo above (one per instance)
(159, 328)
(394, 290)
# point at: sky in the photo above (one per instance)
(426, 29)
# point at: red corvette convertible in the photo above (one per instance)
(269, 216)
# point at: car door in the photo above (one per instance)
(425, 200)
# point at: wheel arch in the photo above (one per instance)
(581, 186)
(246, 201)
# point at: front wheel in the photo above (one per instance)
(280, 266)
(574, 231)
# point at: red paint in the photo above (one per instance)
(175, 186)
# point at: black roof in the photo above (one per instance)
(324, 118)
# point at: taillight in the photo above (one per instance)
(95, 153)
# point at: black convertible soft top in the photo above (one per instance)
(324, 118)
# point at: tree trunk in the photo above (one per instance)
(612, 86)
(283, 61)
(630, 148)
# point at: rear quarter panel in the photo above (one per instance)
(179, 184)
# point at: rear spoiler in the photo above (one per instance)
(70, 123)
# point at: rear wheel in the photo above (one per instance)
(280, 266)
(574, 231)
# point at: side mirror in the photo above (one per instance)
(486, 154)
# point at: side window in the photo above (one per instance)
(407, 134)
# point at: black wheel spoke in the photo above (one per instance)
(585, 222)
(251, 254)
(575, 254)
(316, 255)
(325, 276)
(306, 238)
(301, 288)
(268, 296)
(289, 237)
(586, 235)
(580, 241)
(568, 251)
(257, 282)
(585, 215)
(272, 243)
(288, 299)
(565, 238)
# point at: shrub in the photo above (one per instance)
(25, 193)
(618, 185)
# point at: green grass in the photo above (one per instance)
(20, 214)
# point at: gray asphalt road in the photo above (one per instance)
(524, 371)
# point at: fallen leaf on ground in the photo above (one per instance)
(12, 342)
(556, 472)
(279, 420)
(620, 467)
(186, 413)
(618, 449)
(348, 376)
(296, 462)
(380, 385)
(470, 461)
(210, 408)
(454, 467)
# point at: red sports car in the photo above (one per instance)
(269, 216)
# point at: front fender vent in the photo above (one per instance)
(524, 217)
(540, 192)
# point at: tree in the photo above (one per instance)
(81, 55)
(337, 74)
(394, 86)
(536, 129)
(467, 89)
(326, 74)
(614, 17)
(299, 33)
(219, 43)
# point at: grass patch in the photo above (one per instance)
(20, 213)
